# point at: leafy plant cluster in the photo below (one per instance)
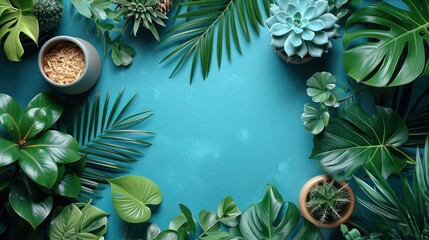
(327, 201)
(112, 21)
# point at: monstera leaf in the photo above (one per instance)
(396, 49)
(260, 221)
(360, 139)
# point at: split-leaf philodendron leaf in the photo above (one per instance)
(395, 47)
(360, 139)
(131, 196)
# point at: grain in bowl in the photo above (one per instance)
(64, 63)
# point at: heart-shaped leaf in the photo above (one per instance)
(29, 202)
(62, 147)
(39, 166)
(131, 195)
(63, 226)
(50, 103)
(9, 152)
(359, 139)
(391, 48)
(261, 220)
(32, 123)
(69, 186)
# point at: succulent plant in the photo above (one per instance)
(327, 200)
(315, 120)
(320, 87)
(302, 27)
(145, 13)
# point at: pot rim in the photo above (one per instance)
(303, 199)
(48, 45)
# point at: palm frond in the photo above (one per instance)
(108, 135)
(205, 21)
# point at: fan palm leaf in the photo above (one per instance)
(108, 137)
(206, 22)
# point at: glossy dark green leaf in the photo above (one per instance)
(360, 139)
(50, 103)
(62, 147)
(391, 48)
(39, 166)
(64, 225)
(188, 215)
(11, 126)
(9, 152)
(29, 202)
(264, 220)
(228, 212)
(131, 196)
(6, 176)
(69, 185)
(32, 123)
(10, 106)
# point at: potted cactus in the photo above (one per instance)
(301, 30)
(26, 23)
(325, 202)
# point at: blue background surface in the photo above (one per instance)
(229, 135)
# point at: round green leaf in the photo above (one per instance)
(359, 139)
(391, 48)
(314, 120)
(29, 202)
(208, 221)
(64, 225)
(131, 195)
(50, 103)
(32, 123)
(62, 147)
(39, 166)
(69, 185)
(228, 212)
(9, 152)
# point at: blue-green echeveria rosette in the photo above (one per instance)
(302, 27)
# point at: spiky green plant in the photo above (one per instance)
(327, 201)
(142, 13)
(108, 136)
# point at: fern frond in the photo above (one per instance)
(200, 21)
(108, 135)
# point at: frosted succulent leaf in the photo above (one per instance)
(314, 120)
(302, 27)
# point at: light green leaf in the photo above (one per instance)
(167, 235)
(63, 227)
(62, 147)
(208, 221)
(264, 221)
(315, 120)
(39, 166)
(391, 48)
(93, 221)
(50, 103)
(82, 6)
(180, 225)
(228, 212)
(131, 195)
(29, 202)
(14, 23)
(360, 139)
(9, 152)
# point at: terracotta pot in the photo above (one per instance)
(304, 195)
(92, 65)
(294, 59)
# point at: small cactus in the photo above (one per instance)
(327, 201)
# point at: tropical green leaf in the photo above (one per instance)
(391, 48)
(32, 123)
(50, 103)
(62, 147)
(9, 152)
(190, 220)
(14, 22)
(208, 221)
(131, 196)
(82, 6)
(29, 202)
(320, 86)
(39, 166)
(11, 126)
(180, 225)
(93, 221)
(315, 120)
(10, 106)
(69, 185)
(360, 139)
(264, 221)
(109, 136)
(228, 212)
(196, 30)
(63, 226)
